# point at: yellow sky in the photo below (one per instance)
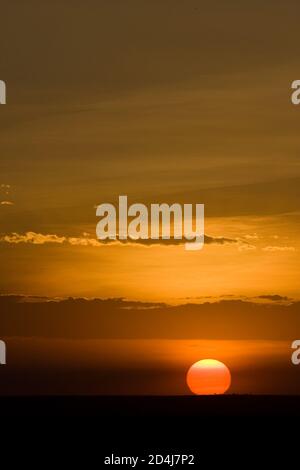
(264, 259)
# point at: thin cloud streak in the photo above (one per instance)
(41, 239)
(6, 203)
(273, 249)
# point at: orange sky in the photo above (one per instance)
(151, 367)
(165, 102)
(183, 112)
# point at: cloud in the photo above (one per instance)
(208, 240)
(41, 239)
(278, 248)
(6, 203)
(252, 236)
(83, 241)
(32, 237)
(246, 247)
(123, 319)
(274, 297)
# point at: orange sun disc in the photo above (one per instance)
(208, 377)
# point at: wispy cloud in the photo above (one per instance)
(32, 237)
(6, 203)
(274, 297)
(252, 236)
(246, 247)
(105, 318)
(41, 239)
(278, 248)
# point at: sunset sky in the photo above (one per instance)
(164, 101)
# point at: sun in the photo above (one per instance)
(208, 377)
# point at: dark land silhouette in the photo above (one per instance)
(151, 406)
